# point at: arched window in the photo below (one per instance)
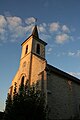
(26, 49)
(38, 49)
(22, 80)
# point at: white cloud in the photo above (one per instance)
(3, 25)
(54, 26)
(65, 28)
(28, 28)
(45, 37)
(20, 32)
(61, 32)
(76, 74)
(44, 24)
(13, 28)
(13, 22)
(3, 21)
(76, 53)
(49, 50)
(30, 20)
(3, 35)
(61, 38)
(2, 31)
(42, 28)
(71, 53)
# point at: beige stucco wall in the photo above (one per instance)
(31, 63)
(22, 71)
(29, 43)
(38, 65)
(64, 99)
(42, 48)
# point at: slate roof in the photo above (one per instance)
(55, 70)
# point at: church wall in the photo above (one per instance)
(76, 93)
(38, 65)
(63, 96)
(24, 64)
(29, 43)
(15, 79)
(42, 48)
(31, 63)
(22, 71)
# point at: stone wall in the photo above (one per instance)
(63, 96)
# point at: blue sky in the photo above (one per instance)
(58, 24)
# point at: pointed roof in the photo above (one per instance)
(35, 31)
(35, 35)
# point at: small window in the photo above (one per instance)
(38, 49)
(26, 49)
(22, 80)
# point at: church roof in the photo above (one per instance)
(35, 31)
(55, 70)
(35, 35)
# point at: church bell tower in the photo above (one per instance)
(32, 62)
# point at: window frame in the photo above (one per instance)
(26, 51)
(38, 49)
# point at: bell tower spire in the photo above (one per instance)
(35, 31)
(32, 61)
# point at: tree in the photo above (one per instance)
(8, 107)
(27, 104)
(1, 115)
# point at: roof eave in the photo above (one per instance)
(62, 73)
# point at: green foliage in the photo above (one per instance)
(8, 102)
(8, 107)
(27, 104)
(1, 115)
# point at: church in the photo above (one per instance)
(62, 90)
